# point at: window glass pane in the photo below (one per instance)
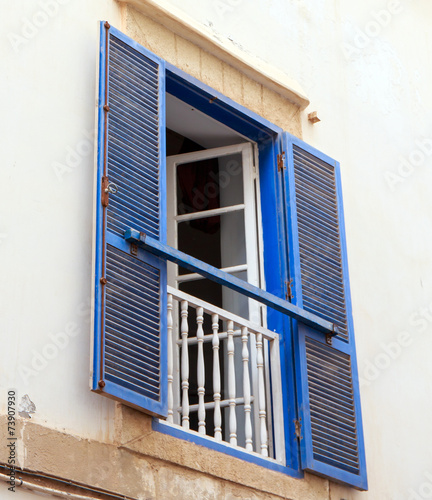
(218, 241)
(204, 289)
(209, 184)
(235, 302)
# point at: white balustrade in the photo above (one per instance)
(184, 329)
(261, 395)
(246, 390)
(216, 379)
(170, 376)
(200, 371)
(240, 413)
(231, 385)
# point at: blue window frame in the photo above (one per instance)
(302, 223)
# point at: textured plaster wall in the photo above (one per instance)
(366, 68)
(368, 74)
(47, 179)
(149, 465)
(49, 53)
(212, 71)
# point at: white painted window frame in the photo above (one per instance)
(253, 238)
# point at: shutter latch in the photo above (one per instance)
(297, 424)
(329, 336)
(107, 188)
(281, 161)
(288, 294)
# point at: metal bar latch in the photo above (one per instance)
(213, 273)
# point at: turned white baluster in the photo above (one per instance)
(246, 389)
(216, 379)
(170, 358)
(200, 371)
(231, 385)
(184, 329)
(261, 395)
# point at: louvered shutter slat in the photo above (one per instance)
(326, 375)
(130, 350)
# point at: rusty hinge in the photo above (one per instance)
(134, 249)
(281, 161)
(288, 294)
(297, 424)
(104, 191)
(107, 188)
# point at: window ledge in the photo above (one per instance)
(210, 443)
(143, 463)
(256, 69)
(199, 456)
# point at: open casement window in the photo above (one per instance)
(331, 441)
(211, 196)
(132, 325)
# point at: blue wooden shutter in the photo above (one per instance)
(130, 288)
(331, 440)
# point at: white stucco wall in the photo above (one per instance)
(368, 79)
(366, 69)
(47, 86)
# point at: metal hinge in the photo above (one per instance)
(288, 294)
(297, 424)
(281, 161)
(254, 169)
(104, 191)
(107, 189)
